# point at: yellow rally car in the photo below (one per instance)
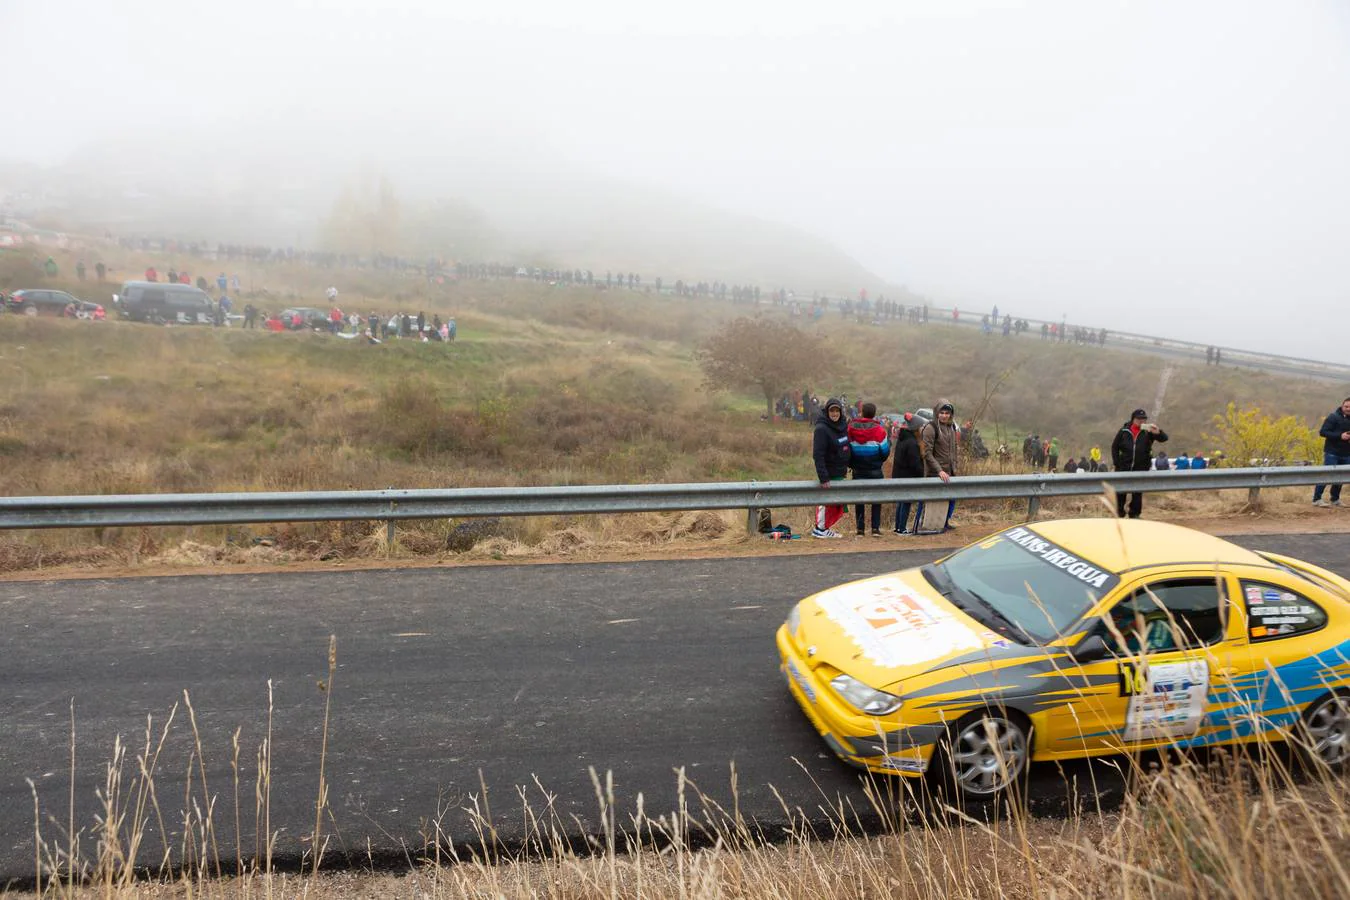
(1069, 639)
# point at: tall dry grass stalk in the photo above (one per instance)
(1247, 825)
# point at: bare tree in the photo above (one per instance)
(762, 353)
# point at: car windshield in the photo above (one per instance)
(1038, 588)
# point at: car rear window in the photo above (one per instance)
(1277, 612)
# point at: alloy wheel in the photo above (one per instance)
(988, 755)
(1329, 730)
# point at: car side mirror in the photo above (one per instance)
(1089, 649)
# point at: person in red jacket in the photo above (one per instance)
(869, 447)
(151, 274)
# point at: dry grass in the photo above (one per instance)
(1223, 826)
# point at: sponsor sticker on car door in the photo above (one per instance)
(1166, 700)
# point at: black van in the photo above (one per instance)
(154, 301)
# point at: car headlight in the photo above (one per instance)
(794, 619)
(864, 698)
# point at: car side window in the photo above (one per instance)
(1165, 616)
(1276, 612)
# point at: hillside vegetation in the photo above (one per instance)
(545, 385)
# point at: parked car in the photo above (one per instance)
(52, 303)
(297, 318)
(154, 301)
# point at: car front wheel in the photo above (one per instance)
(986, 754)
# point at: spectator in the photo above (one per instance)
(939, 442)
(1095, 459)
(450, 330)
(185, 278)
(151, 274)
(1199, 462)
(907, 462)
(50, 267)
(79, 270)
(1071, 467)
(1161, 462)
(202, 283)
(100, 271)
(1131, 451)
(1335, 434)
(250, 315)
(1053, 454)
(868, 449)
(1183, 463)
(830, 453)
(234, 284)
(222, 282)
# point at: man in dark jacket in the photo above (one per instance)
(1132, 451)
(939, 444)
(1335, 434)
(830, 452)
(869, 446)
(907, 463)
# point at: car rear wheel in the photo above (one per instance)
(1326, 731)
(986, 754)
(30, 310)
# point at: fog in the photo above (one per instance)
(1172, 167)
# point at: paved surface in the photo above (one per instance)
(453, 687)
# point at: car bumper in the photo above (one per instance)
(877, 744)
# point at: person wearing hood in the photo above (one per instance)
(939, 442)
(830, 452)
(869, 446)
(907, 463)
(1132, 451)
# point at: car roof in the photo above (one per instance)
(1120, 545)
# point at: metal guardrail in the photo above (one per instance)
(114, 510)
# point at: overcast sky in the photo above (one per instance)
(1170, 166)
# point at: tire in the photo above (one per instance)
(30, 310)
(1325, 732)
(985, 756)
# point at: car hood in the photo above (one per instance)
(886, 629)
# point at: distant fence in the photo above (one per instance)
(1192, 350)
(131, 510)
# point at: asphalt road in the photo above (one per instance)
(473, 688)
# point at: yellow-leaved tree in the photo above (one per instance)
(1249, 437)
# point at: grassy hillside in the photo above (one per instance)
(546, 385)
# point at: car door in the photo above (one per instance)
(1174, 645)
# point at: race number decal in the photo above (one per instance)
(1167, 700)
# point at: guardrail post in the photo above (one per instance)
(1254, 497)
(389, 530)
(1033, 506)
(752, 520)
